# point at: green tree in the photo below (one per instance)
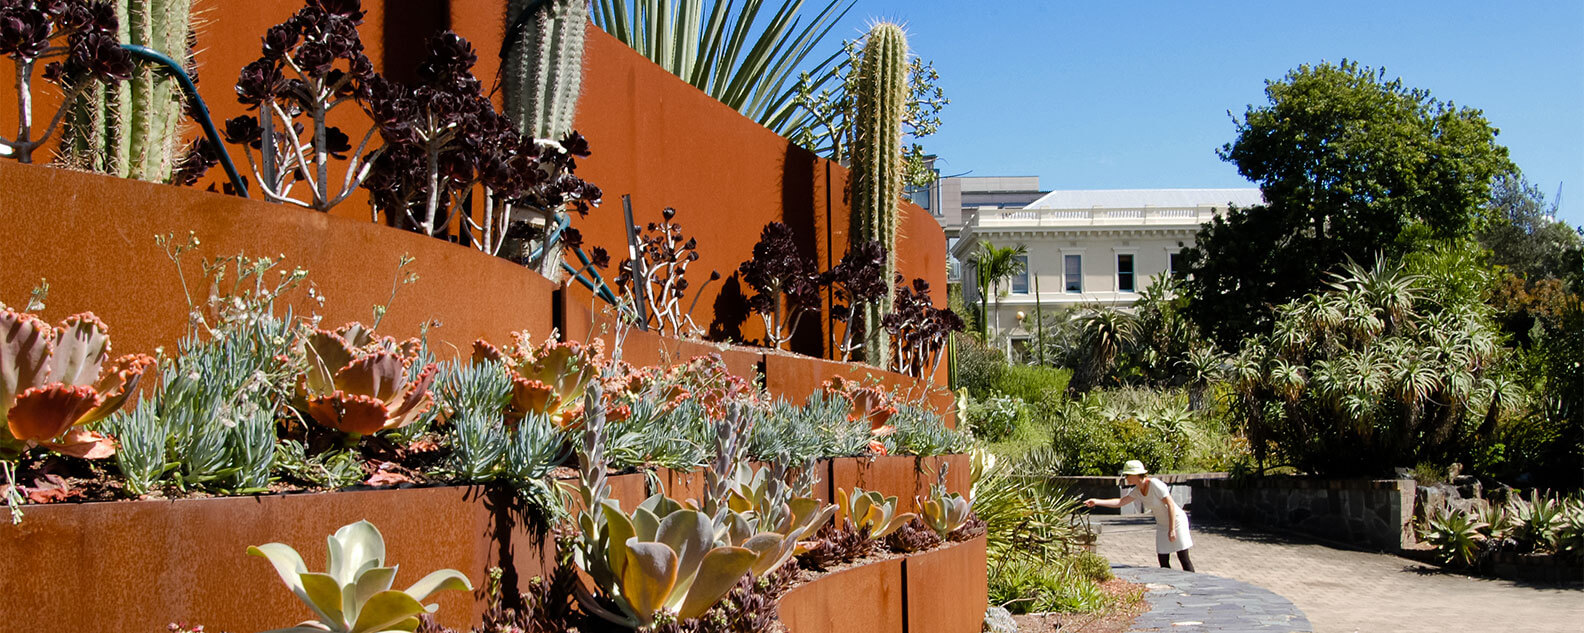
(993, 266)
(1352, 166)
(1525, 235)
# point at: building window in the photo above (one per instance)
(1124, 272)
(1176, 264)
(1020, 281)
(1073, 271)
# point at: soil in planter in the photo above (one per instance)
(1127, 604)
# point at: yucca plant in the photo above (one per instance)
(353, 594)
(717, 51)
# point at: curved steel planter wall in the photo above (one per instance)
(92, 238)
(136, 566)
(938, 591)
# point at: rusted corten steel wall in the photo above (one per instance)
(138, 565)
(936, 591)
(92, 238)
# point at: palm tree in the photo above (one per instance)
(995, 265)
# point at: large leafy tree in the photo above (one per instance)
(1525, 236)
(1352, 165)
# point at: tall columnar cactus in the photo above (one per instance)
(132, 129)
(877, 164)
(543, 64)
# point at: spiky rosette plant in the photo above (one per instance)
(132, 128)
(549, 379)
(54, 381)
(786, 286)
(360, 383)
(877, 162)
(542, 64)
(77, 38)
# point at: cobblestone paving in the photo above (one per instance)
(1346, 591)
(1180, 601)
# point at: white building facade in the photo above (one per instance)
(1089, 247)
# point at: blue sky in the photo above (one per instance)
(1098, 95)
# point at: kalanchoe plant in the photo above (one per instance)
(549, 379)
(785, 282)
(444, 141)
(657, 278)
(56, 381)
(943, 512)
(353, 594)
(856, 281)
(919, 330)
(312, 64)
(360, 383)
(79, 37)
(870, 513)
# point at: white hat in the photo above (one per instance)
(1133, 467)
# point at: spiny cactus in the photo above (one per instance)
(132, 129)
(877, 164)
(543, 64)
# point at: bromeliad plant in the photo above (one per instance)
(360, 383)
(312, 64)
(353, 594)
(78, 38)
(785, 283)
(55, 381)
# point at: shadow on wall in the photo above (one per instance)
(731, 311)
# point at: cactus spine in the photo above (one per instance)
(544, 65)
(877, 164)
(132, 129)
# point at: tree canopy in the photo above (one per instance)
(1353, 166)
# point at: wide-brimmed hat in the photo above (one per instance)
(1133, 467)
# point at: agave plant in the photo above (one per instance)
(353, 594)
(550, 378)
(871, 513)
(1456, 537)
(1535, 521)
(55, 381)
(359, 383)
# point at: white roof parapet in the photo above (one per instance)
(1140, 198)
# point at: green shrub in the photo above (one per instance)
(1032, 383)
(1026, 586)
(1093, 566)
(979, 366)
(995, 418)
(1096, 434)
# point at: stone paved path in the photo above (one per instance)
(1180, 601)
(1345, 591)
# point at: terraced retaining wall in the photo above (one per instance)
(1366, 513)
(136, 566)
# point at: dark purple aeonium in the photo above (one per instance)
(785, 283)
(80, 39)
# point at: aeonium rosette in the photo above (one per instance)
(54, 381)
(548, 378)
(360, 383)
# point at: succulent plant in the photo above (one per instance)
(785, 283)
(871, 513)
(359, 383)
(877, 163)
(543, 64)
(944, 513)
(132, 128)
(550, 378)
(919, 330)
(79, 39)
(912, 536)
(664, 562)
(55, 381)
(353, 594)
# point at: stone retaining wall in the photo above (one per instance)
(1367, 513)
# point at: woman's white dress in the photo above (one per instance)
(1153, 497)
